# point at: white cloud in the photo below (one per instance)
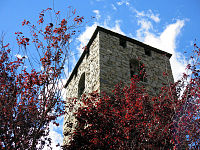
(166, 41)
(116, 27)
(98, 16)
(144, 29)
(20, 56)
(85, 36)
(149, 14)
(107, 20)
(126, 2)
(56, 135)
(56, 138)
(155, 17)
(113, 7)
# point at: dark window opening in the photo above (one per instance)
(134, 67)
(81, 85)
(147, 52)
(122, 42)
(137, 69)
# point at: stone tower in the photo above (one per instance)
(110, 58)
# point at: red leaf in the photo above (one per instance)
(57, 12)
(6, 45)
(23, 22)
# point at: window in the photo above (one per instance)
(134, 67)
(147, 52)
(137, 69)
(122, 42)
(81, 85)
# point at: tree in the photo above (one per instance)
(131, 119)
(30, 95)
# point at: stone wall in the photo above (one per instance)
(115, 64)
(89, 66)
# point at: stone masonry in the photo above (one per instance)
(106, 62)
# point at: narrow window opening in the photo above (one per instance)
(122, 42)
(137, 69)
(134, 67)
(81, 85)
(147, 52)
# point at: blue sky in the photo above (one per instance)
(170, 25)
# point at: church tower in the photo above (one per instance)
(110, 58)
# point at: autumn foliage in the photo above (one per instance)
(30, 82)
(30, 98)
(132, 119)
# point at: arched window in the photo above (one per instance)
(136, 68)
(81, 85)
